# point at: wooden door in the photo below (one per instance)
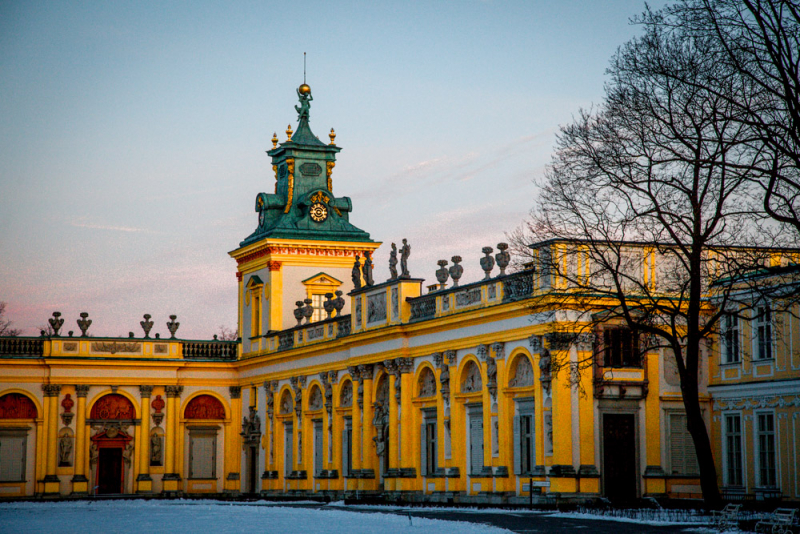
(109, 471)
(619, 457)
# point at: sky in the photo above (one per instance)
(133, 136)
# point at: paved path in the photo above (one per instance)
(530, 522)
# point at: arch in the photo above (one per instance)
(470, 377)
(520, 371)
(156, 447)
(425, 382)
(113, 406)
(346, 393)
(315, 397)
(16, 404)
(95, 399)
(286, 404)
(204, 406)
(225, 409)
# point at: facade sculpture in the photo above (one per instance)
(466, 374)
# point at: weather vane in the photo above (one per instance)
(304, 93)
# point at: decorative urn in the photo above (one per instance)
(456, 270)
(487, 262)
(442, 273)
(503, 257)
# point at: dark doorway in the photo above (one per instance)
(619, 457)
(251, 458)
(109, 470)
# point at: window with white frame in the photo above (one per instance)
(765, 439)
(730, 332)
(733, 450)
(318, 303)
(762, 333)
(203, 453)
(524, 437)
(428, 441)
(683, 458)
(13, 444)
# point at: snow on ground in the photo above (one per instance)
(211, 516)
(430, 509)
(700, 520)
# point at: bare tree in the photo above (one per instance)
(226, 333)
(757, 44)
(644, 205)
(5, 324)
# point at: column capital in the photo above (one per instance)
(499, 348)
(483, 352)
(173, 391)
(82, 390)
(405, 365)
(235, 391)
(451, 357)
(353, 370)
(51, 390)
(365, 371)
(438, 359)
(270, 385)
(145, 391)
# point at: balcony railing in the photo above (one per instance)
(21, 346)
(518, 286)
(286, 340)
(343, 326)
(210, 350)
(423, 308)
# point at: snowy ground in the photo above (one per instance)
(211, 516)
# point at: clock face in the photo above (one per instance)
(318, 212)
(261, 218)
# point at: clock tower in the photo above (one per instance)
(304, 245)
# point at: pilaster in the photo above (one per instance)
(171, 482)
(233, 447)
(80, 484)
(144, 483)
(52, 484)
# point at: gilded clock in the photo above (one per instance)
(318, 212)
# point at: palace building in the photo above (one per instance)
(340, 384)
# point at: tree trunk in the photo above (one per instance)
(702, 443)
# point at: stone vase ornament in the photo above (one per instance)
(456, 270)
(487, 262)
(172, 326)
(329, 305)
(147, 325)
(338, 302)
(442, 273)
(84, 323)
(503, 257)
(308, 310)
(298, 312)
(56, 322)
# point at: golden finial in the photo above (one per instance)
(289, 133)
(274, 140)
(332, 135)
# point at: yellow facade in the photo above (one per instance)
(446, 396)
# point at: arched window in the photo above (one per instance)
(346, 395)
(522, 375)
(17, 406)
(315, 399)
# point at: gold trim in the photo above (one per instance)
(290, 190)
(329, 165)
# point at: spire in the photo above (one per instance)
(304, 135)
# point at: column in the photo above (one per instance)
(367, 429)
(144, 481)
(355, 418)
(52, 485)
(394, 382)
(562, 472)
(171, 479)
(407, 441)
(233, 456)
(80, 484)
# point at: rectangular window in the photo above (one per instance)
(255, 326)
(476, 442)
(317, 447)
(202, 454)
(733, 450)
(319, 310)
(621, 348)
(683, 458)
(730, 338)
(526, 457)
(767, 470)
(763, 333)
(347, 447)
(288, 442)
(428, 445)
(13, 444)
